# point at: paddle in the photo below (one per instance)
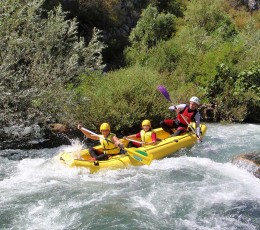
(165, 93)
(138, 155)
(141, 156)
(94, 134)
(140, 142)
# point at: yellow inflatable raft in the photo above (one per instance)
(133, 156)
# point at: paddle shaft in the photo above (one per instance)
(140, 142)
(94, 134)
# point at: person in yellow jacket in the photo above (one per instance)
(110, 143)
(147, 135)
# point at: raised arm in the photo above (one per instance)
(88, 134)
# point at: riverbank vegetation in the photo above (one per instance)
(53, 71)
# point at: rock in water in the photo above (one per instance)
(249, 161)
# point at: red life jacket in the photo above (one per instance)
(187, 114)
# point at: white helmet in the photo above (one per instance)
(195, 100)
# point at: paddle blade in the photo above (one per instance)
(164, 92)
(141, 156)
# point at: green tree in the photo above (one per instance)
(40, 52)
(152, 28)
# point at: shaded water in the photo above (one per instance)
(200, 189)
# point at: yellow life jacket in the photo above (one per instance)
(146, 136)
(108, 146)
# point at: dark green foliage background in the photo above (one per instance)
(52, 70)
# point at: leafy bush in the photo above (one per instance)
(248, 80)
(247, 87)
(249, 36)
(211, 17)
(40, 53)
(164, 57)
(123, 98)
(237, 95)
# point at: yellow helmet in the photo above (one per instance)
(104, 126)
(146, 122)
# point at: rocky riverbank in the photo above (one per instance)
(34, 136)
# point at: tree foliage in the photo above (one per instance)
(237, 95)
(152, 28)
(40, 53)
(48, 72)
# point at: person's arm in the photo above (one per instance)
(133, 136)
(135, 139)
(178, 108)
(154, 138)
(87, 134)
(138, 135)
(117, 142)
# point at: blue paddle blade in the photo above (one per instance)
(164, 92)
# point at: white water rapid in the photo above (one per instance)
(200, 189)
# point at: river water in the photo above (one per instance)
(199, 189)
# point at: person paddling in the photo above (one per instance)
(110, 143)
(185, 114)
(147, 135)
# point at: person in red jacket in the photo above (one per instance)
(185, 115)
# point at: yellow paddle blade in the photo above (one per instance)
(141, 156)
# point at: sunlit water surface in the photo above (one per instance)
(199, 189)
